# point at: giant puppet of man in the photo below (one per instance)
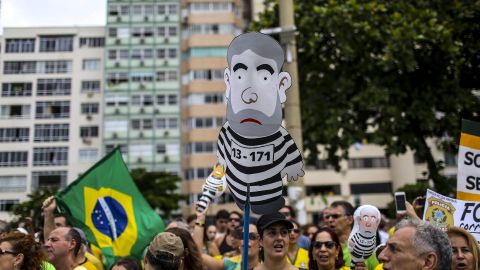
(254, 149)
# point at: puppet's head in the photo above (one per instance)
(367, 218)
(255, 85)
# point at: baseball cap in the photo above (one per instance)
(166, 242)
(268, 219)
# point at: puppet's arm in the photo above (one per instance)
(213, 188)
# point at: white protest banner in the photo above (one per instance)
(442, 212)
(468, 177)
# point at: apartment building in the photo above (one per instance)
(50, 108)
(142, 92)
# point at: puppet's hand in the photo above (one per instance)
(293, 172)
(213, 188)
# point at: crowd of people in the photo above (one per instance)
(275, 241)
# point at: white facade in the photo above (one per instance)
(50, 107)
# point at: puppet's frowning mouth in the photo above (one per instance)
(251, 120)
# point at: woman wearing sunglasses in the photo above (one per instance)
(296, 255)
(325, 252)
(19, 251)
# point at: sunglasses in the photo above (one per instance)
(251, 236)
(328, 244)
(334, 216)
(287, 214)
(297, 231)
(2, 251)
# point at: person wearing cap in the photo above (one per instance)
(274, 231)
(165, 252)
(234, 263)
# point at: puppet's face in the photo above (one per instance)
(255, 92)
(368, 221)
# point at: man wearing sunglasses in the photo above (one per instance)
(339, 217)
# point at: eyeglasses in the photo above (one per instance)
(334, 216)
(287, 214)
(328, 244)
(2, 251)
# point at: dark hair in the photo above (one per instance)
(75, 235)
(64, 216)
(33, 254)
(292, 212)
(222, 214)
(192, 255)
(348, 207)
(312, 264)
(191, 218)
(163, 261)
(240, 216)
(128, 263)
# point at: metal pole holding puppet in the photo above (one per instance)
(246, 227)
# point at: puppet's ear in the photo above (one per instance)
(227, 78)
(284, 83)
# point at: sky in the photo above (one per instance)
(36, 13)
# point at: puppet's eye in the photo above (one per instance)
(239, 77)
(264, 76)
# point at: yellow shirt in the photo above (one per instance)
(300, 260)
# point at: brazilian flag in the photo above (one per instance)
(107, 205)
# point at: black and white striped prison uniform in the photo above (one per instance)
(264, 177)
(363, 247)
(212, 189)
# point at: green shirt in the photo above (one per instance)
(371, 262)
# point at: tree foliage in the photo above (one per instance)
(160, 189)
(397, 73)
(32, 207)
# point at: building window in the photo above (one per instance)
(14, 159)
(371, 188)
(172, 99)
(205, 122)
(50, 156)
(54, 67)
(49, 179)
(206, 74)
(52, 109)
(367, 163)
(91, 64)
(56, 43)
(201, 148)
(20, 89)
(13, 183)
(89, 132)
(15, 111)
(323, 190)
(54, 87)
(197, 173)
(161, 148)
(51, 133)
(92, 42)
(7, 205)
(90, 86)
(14, 134)
(450, 160)
(88, 155)
(21, 45)
(19, 67)
(89, 108)
(205, 98)
(141, 124)
(172, 9)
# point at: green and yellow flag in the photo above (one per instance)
(107, 205)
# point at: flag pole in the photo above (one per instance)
(246, 222)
